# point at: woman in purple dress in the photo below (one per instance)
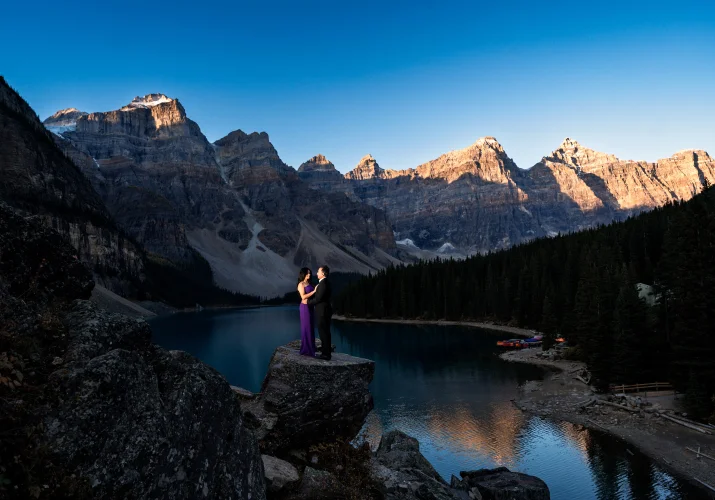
(307, 323)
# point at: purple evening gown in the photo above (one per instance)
(307, 327)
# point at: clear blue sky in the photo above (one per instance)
(405, 81)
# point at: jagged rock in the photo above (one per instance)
(399, 451)
(502, 484)
(404, 473)
(280, 475)
(307, 401)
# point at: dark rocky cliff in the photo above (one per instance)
(39, 179)
(97, 410)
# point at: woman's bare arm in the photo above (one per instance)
(301, 291)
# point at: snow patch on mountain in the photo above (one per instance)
(446, 248)
(148, 101)
(407, 243)
(61, 129)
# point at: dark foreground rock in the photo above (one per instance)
(100, 411)
(405, 474)
(307, 401)
(281, 476)
(502, 484)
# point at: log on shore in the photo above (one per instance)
(684, 424)
(615, 405)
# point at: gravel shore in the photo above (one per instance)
(562, 397)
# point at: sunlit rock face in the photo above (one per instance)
(235, 202)
(476, 199)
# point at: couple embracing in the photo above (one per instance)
(315, 308)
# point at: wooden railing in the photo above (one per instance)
(652, 387)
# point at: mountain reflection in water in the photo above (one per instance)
(446, 387)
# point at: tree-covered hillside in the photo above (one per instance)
(583, 286)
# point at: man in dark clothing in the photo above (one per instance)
(323, 310)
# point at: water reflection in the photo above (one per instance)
(444, 386)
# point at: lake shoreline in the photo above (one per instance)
(522, 332)
(560, 397)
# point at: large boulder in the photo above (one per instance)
(142, 422)
(502, 484)
(306, 401)
(405, 474)
(281, 476)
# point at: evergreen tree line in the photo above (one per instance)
(187, 284)
(585, 287)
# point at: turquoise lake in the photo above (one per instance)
(445, 386)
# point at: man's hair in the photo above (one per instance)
(326, 270)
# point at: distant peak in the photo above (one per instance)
(367, 168)
(67, 111)
(317, 162)
(148, 101)
(65, 116)
(569, 143)
(65, 120)
(487, 140)
(571, 152)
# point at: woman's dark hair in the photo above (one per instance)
(304, 271)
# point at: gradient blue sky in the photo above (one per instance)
(404, 81)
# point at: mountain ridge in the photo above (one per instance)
(234, 201)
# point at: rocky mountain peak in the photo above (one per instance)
(367, 168)
(240, 140)
(573, 154)
(63, 120)
(317, 163)
(485, 159)
(488, 142)
(148, 101)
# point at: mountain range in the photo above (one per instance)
(151, 175)
(476, 199)
(234, 201)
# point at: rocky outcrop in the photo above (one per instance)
(404, 473)
(502, 484)
(307, 401)
(103, 412)
(39, 179)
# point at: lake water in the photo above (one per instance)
(445, 386)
